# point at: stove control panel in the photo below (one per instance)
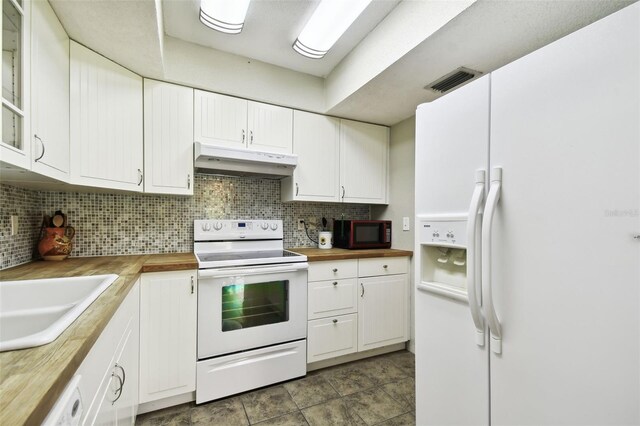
(218, 230)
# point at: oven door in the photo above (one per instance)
(250, 307)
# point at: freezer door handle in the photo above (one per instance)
(487, 295)
(472, 256)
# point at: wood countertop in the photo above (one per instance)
(315, 254)
(31, 380)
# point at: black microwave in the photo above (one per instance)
(362, 234)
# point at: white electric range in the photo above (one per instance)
(252, 307)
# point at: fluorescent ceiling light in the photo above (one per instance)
(327, 24)
(226, 16)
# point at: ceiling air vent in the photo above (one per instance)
(452, 80)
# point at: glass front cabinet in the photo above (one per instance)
(15, 148)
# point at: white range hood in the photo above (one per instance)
(242, 162)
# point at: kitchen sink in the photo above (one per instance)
(36, 312)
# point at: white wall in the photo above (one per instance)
(209, 69)
(401, 194)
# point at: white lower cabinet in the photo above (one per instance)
(109, 383)
(168, 307)
(331, 337)
(383, 311)
(356, 305)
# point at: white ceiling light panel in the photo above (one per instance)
(327, 24)
(226, 16)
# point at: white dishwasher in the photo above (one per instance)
(67, 410)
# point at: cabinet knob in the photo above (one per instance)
(140, 176)
(385, 266)
(192, 285)
(335, 321)
(335, 270)
(335, 283)
(297, 189)
(251, 136)
(188, 181)
(243, 135)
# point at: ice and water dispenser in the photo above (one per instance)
(443, 255)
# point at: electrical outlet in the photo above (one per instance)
(300, 224)
(312, 223)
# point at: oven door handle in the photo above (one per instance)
(252, 270)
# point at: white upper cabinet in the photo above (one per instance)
(238, 123)
(15, 148)
(168, 138)
(50, 93)
(270, 128)
(338, 160)
(220, 120)
(364, 153)
(106, 123)
(316, 141)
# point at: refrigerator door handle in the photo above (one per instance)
(472, 256)
(487, 223)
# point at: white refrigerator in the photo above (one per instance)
(530, 312)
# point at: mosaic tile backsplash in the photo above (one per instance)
(113, 224)
(25, 204)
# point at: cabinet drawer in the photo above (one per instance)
(333, 270)
(382, 266)
(333, 297)
(332, 337)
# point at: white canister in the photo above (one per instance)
(325, 240)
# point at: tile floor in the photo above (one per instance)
(373, 391)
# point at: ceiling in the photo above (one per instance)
(270, 29)
(375, 73)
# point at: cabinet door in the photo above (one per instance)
(270, 128)
(101, 379)
(50, 93)
(336, 297)
(106, 122)
(168, 138)
(126, 368)
(332, 337)
(364, 150)
(168, 304)
(15, 149)
(316, 141)
(220, 120)
(383, 311)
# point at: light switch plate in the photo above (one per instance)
(405, 224)
(14, 224)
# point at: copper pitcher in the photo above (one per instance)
(56, 243)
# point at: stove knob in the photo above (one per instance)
(264, 225)
(274, 226)
(206, 226)
(217, 226)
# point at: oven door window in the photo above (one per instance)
(253, 305)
